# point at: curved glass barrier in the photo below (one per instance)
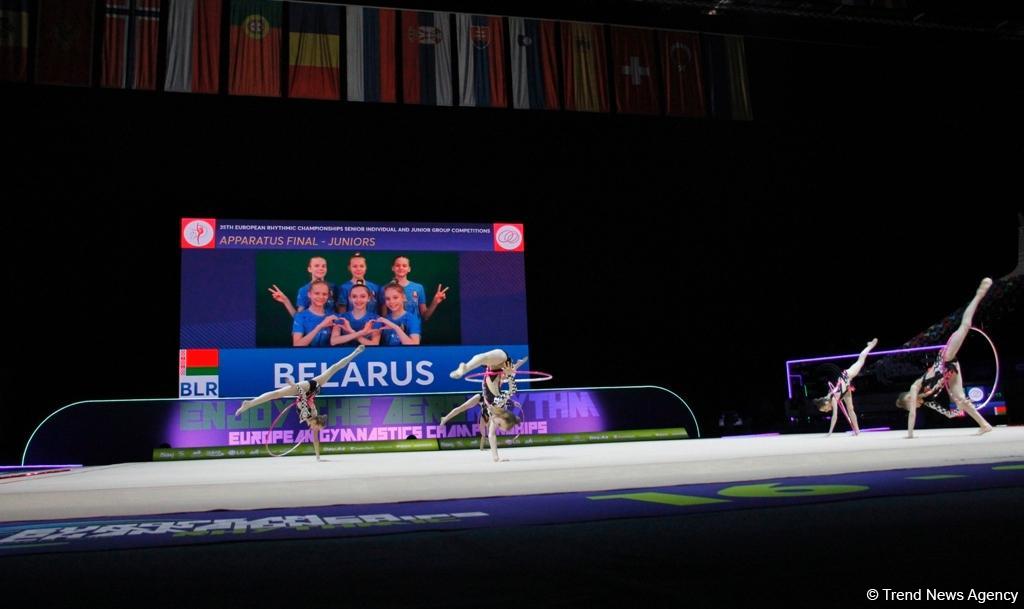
(98, 432)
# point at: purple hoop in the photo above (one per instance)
(995, 355)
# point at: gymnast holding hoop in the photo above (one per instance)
(303, 392)
(495, 412)
(945, 374)
(840, 393)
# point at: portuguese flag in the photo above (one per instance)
(255, 67)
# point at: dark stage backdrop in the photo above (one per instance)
(873, 190)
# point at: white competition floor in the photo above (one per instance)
(253, 483)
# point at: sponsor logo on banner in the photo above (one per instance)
(198, 233)
(509, 238)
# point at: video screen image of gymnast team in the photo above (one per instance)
(269, 303)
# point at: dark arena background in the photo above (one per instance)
(866, 182)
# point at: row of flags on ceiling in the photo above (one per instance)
(368, 54)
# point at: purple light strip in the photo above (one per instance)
(876, 429)
(38, 467)
(854, 355)
(789, 384)
(751, 435)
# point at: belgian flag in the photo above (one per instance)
(314, 51)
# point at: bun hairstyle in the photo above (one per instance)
(507, 419)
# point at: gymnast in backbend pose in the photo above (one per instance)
(494, 413)
(840, 393)
(304, 392)
(945, 374)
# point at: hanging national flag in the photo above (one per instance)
(13, 40)
(726, 73)
(426, 59)
(372, 73)
(684, 87)
(481, 61)
(255, 55)
(583, 62)
(314, 51)
(131, 30)
(64, 47)
(534, 63)
(636, 78)
(193, 46)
